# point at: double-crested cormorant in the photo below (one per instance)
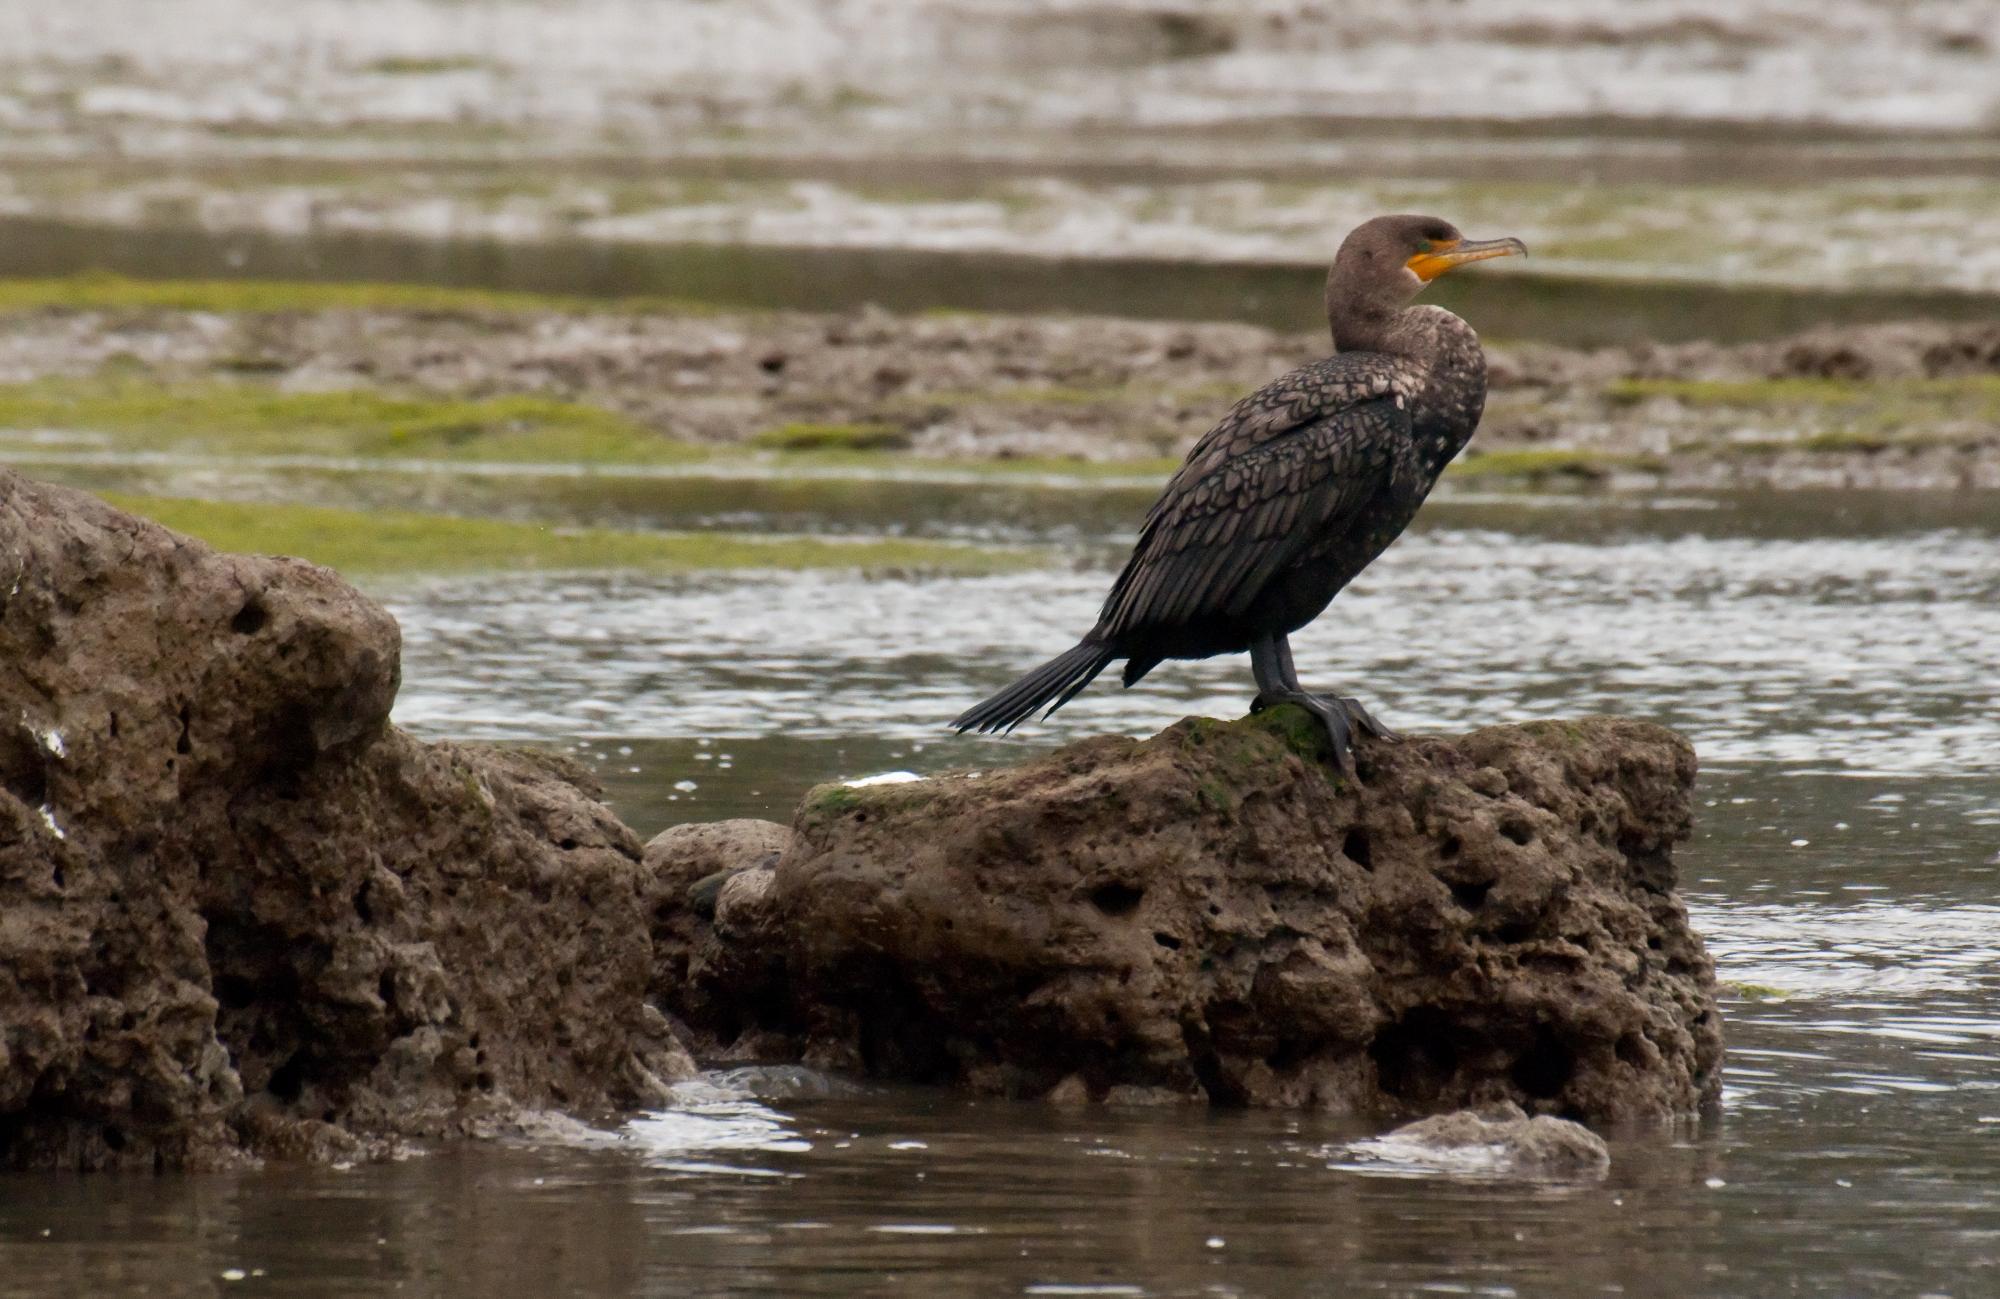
(1299, 488)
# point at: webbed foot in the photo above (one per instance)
(1341, 718)
(1364, 721)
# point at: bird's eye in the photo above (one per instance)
(1425, 245)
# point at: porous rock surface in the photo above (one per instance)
(242, 914)
(1216, 914)
(714, 956)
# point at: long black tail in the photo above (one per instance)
(1058, 679)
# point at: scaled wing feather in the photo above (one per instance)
(1252, 498)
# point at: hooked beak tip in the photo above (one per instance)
(1427, 266)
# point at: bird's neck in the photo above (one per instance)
(1361, 330)
(1417, 333)
(1445, 369)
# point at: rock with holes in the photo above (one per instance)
(240, 912)
(1215, 914)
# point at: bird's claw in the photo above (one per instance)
(1341, 718)
(1364, 721)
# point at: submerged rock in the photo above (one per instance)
(1214, 914)
(239, 911)
(1500, 1140)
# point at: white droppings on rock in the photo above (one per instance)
(885, 778)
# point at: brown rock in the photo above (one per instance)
(241, 912)
(686, 867)
(707, 891)
(1499, 1140)
(1214, 914)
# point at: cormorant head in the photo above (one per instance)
(1386, 262)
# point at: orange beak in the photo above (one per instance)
(1440, 258)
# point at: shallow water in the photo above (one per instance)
(1846, 142)
(1567, 309)
(1867, 653)
(1832, 658)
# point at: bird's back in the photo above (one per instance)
(1280, 482)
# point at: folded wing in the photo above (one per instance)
(1253, 498)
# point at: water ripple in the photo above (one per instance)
(1864, 655)
(706, 1118)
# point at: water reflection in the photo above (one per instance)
(709, 1116)
(933, 1195)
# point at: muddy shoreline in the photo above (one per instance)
(1910, 405)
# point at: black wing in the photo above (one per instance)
(1248, 503)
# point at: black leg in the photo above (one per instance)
(1363, 720)
(1278, 683)
(1269, 660)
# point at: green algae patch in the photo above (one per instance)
(1542, 463)
(1562, 733)
(832, 437)
(838, 798)
(889, 464)
(1852, 408)
(1740, 418)
(1870, 442)
(1296, 729)
(395, 66)
(1214, 793)
(247, 415)
(832, 800)
(1804, 390)
(1257, 738)
(1038, 395)
(391, 541)
(1846, 440)
(102, 291)
(246, 418)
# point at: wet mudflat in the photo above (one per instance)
(1829, 655)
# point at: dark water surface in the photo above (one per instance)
(1836, 660)
(1562, 309)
